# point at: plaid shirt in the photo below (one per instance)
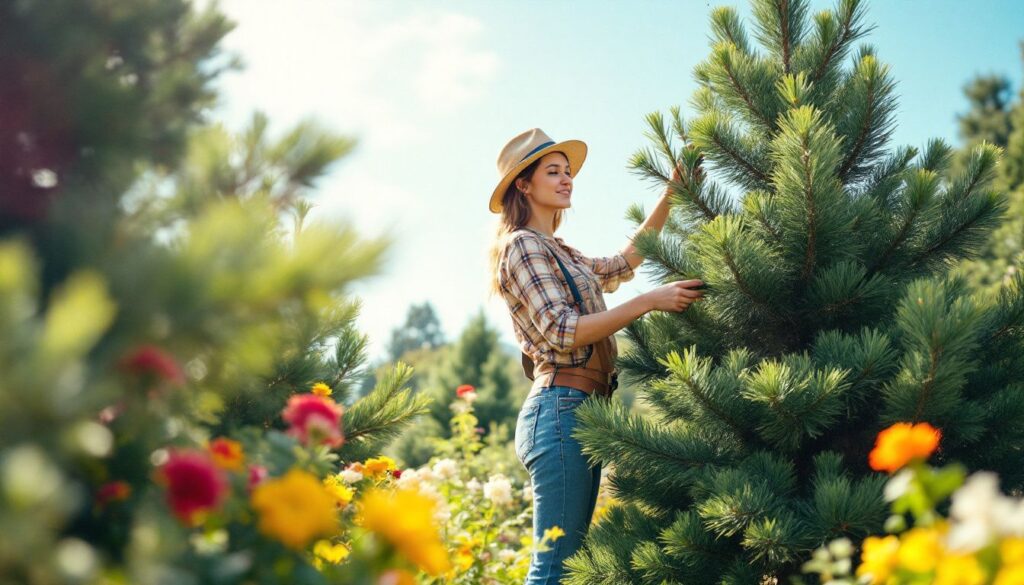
(540, 300)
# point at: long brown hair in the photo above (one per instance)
(515, 213)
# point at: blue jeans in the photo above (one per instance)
(564, 485)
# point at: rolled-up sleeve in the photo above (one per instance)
(537, 285)
(611, 271)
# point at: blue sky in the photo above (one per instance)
(433, 90)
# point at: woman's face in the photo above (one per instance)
(551, 185)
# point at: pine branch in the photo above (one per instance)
(714, 135)
(780, 27)
(726, 27)
(851, 13)
(874, 124)
(608, 433)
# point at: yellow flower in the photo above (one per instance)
(405, 518)
(464, 558)
(337, 488)
(1012, 575)
(552, 534)
(959, 570)
(879, 558)
(378, 466)
(1011, 551)
(330, 552)
(321, 389)
(295, 508)
(920, 550)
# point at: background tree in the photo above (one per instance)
(831, 314)
(477, 359)
(422, 330)
(995, 118)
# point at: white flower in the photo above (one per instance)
(975, 498)
(409, 479)
(1010, 517)
(446, 468)
(469, 397)
(841, 548)
(442, 513)
(898, 484)
(426, 474)
(473, 485)
(528, 492)
(350, 475)
(506, 555)
(975, 512)
(498, 489)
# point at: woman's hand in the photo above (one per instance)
(674, 296)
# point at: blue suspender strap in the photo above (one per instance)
(576, 297)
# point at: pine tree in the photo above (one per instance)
(831, 314)
(421, 330)
(475, 359)
(994, 118)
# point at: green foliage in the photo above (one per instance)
(994, 118)
(160, 286)
(474, 359)
(832, 312)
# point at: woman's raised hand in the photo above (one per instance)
(674, 296)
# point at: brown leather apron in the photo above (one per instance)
(597, 376)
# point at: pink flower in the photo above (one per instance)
(194, 484)
(257, 473)
(152, 360)
(314, 419)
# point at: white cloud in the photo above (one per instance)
(356, 65)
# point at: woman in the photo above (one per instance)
(572, 351)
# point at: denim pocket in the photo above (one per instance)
(566, 403)
(526, 428)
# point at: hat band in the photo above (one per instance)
(542, 146)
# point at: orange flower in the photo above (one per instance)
(902, 443)
(226, 454)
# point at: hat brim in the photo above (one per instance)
(575, 151)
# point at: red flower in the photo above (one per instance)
(464, 389)
(257, 473)
(314, 419)
(113, 491)
(151, 360)
(194, 484)
(396, 473)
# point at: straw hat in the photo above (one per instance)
(527, 147)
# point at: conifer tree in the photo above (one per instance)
(994, 117)
(830, 315)
(476, 359)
